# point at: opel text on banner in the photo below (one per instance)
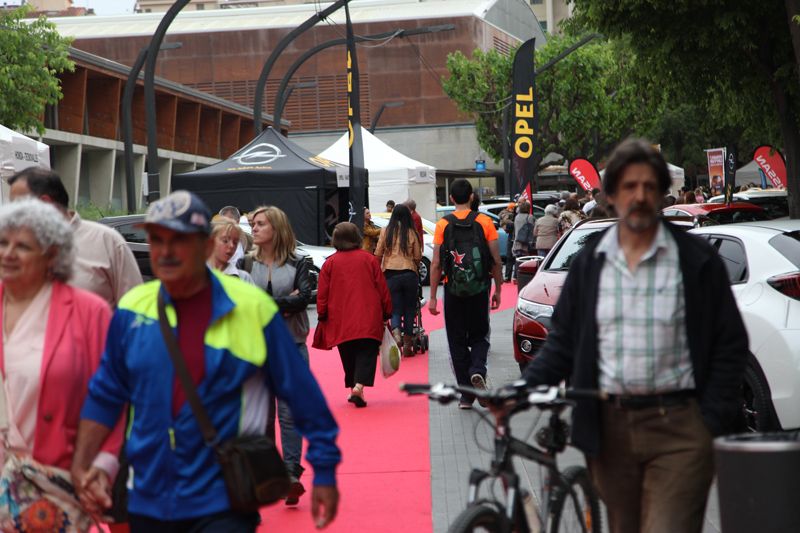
(525, 118)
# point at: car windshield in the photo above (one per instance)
(724, 216)
(570, 247)
(788, 244)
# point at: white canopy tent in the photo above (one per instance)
(18, 152)
(392, 175)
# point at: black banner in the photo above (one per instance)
(730, 173)
(358, 180)
(524, 119)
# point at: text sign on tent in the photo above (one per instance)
(770, 160)
(585, 174)
(18, 152)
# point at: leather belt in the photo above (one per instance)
(648, 401)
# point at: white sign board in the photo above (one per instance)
(18, 152)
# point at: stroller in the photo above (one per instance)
(420, 341)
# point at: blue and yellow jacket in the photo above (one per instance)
(173, 474)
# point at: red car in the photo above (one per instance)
(537, 299)
(710, 214)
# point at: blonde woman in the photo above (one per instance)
(275, 267)
(226, 236)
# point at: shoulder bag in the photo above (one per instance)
(34, 496)
(252, 468)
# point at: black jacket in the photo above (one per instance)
(296, 303)
(717, 338)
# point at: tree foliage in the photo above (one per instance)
(732, 61)
(32, 54)
(588, 101)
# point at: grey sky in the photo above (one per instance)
(107, 7)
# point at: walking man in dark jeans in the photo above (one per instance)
(646, 314)
(465, 248)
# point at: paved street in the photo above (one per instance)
(454, 448)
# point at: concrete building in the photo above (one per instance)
(551, 13)
(84, 132)
(156, 6)
(224, 50)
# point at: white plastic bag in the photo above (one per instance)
(390, 354)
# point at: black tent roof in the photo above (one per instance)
(271, 170)
(268, 161)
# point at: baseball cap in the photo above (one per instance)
(180, 211)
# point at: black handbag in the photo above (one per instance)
(252, 468)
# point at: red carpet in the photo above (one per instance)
(384, 478)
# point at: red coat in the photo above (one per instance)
(352, 299)
(74, 341)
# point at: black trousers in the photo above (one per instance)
(510, 259)
(404, 288)
(466, 320)
(359, 361)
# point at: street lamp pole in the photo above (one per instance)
(153, 192)
(292, 87)
(280, 99)
(127, 122)
(261, 85)
(380, 112)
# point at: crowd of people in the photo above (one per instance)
(78, 323)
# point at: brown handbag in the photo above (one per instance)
(252, 468)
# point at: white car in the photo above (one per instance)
(763, 263)
(774, 201)
(428, 228)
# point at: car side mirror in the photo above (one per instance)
(531, 266)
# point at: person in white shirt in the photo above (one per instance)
(104, 264)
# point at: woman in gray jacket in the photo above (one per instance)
(276, 268)
(546, 230)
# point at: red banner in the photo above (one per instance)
(585, 174)
(771, 162)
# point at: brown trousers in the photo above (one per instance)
(654, 469)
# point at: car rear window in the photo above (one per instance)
(570, 247)
(788, 244)
(775, 207)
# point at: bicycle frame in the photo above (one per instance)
(506, 448)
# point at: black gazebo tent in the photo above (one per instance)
(271, 170)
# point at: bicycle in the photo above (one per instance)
(519, 513)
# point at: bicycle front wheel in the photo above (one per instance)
(578, 510)
(481, 518)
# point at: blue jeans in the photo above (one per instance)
(404, 288)
(291, 441)
(224, 522)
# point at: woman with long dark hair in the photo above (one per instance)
(399, 252)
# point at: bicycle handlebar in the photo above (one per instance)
(519, 390)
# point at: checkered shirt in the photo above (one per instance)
(641, 317)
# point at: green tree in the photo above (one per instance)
(733, 59)
(32, 54)
(588, 101)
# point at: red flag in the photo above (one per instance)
(585, 174)
(771, 162)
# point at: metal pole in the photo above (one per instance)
(380, 112)
(127, 128)
(127, 123)
(150, 99)
(273, 57)
(506, 151)
(280, 100)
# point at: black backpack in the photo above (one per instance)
(525, 234)
(466, 260)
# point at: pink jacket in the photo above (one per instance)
(74, 341)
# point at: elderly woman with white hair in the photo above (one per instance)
(546, 230)
(53, 337)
